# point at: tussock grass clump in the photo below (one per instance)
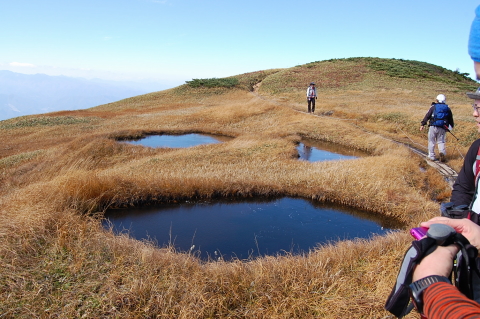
(43, 121)
(10, 161)
(213, 82)
(56, 180)
(415, 69)
(245, 81)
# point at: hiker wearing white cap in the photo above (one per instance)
(311, 97)
(440, 120)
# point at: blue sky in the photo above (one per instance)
(177, 40)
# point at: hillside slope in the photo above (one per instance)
(60, 171)
(385, 96)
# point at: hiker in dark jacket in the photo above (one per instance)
(440, 120)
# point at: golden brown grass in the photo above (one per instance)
(59, 171)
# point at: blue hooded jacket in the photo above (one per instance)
(474, 40)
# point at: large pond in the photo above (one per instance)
(316, 151)
(179, 141)
(228, 228)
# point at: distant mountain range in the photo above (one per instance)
(25, 94)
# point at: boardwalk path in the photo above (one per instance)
(446, 171)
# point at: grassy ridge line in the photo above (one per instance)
(340, 73)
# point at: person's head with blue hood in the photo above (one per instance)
(474, 42)
(474, 52)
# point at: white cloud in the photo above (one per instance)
(13, 107)
(24, 65)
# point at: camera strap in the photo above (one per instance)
(458, 212)
(398, 302)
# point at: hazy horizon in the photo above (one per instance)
(27, 94)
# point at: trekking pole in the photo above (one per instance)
(446, 128)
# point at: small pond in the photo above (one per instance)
(308, 150)
(316, 151)
(230, 228)
(178, 141)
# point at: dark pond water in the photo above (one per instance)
(179, 141)
(316, 151)
(249, 228)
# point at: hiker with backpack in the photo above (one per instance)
(440, 120)
(311, 97)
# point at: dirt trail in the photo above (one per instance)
(446, 171)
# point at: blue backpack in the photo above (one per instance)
(440, 115)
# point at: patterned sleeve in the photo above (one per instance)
(442, 300)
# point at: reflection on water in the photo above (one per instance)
(230, 228)
(316, 151)
(179, 141)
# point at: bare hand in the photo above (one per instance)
(421, 128)
(464, 226)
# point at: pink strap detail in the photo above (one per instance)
(477, 166)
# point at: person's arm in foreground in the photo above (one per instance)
(442, 300)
